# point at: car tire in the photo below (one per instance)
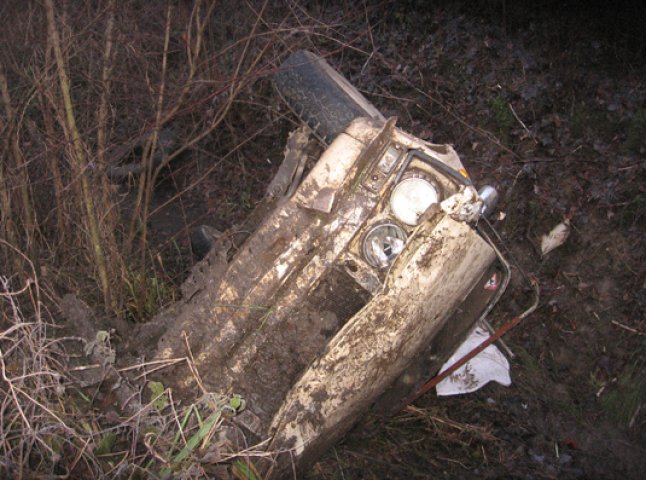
(320, 96)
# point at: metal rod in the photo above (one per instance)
(496, 336)
(507, 277)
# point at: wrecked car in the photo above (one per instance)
(347, 289)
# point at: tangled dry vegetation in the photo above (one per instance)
(98, 100)
(89, 93)
(51, 426)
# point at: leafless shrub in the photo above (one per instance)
(35, 429)
(82, 80)
(90, 93)
(46, 423)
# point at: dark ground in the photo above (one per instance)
(548, 103)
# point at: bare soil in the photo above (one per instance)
(549, 105)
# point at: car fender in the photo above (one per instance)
(444, 260)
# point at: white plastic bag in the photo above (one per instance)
(488, 365)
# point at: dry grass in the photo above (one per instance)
(50, 426)
(98, 101)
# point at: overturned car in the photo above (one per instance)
(348, 288)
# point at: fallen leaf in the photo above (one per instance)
(556, 237)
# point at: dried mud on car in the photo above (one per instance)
(549, 125)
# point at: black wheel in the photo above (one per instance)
(320, 96)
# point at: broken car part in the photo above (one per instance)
(350, 292)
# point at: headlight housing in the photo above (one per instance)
(383, 243)
(411, 197)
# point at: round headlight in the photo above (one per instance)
(411, 198)
(383, 243)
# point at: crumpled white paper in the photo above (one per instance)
(489, 365)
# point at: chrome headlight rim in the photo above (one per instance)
(389, 231)
(412, 196)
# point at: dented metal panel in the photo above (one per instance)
(321, 186)
(307, 365)
(441, 265)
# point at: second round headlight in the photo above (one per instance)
(411, 198)
(383, 243)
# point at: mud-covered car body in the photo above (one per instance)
(386, 314)
(349, 292)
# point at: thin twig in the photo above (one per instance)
(631, 423)
(630, 329)
(513, 112)
(191, 365)
(165, 363)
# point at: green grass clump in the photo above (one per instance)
(592, 121)
(621, 402)
(147, 292)
(502, 115)
(636, 135)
